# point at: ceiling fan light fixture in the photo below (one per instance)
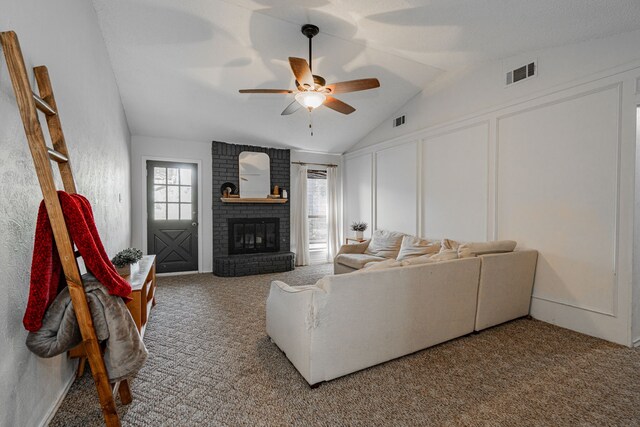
(310, 99)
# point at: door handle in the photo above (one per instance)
(194, 224)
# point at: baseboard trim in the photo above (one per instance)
(636, 342)
(177, 273)
(58, 402)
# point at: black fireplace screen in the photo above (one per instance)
(253, 235)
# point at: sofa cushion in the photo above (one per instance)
(413, 246)
(385, 244)
(381, 265)
(357, 260)
(443, 255)
(466, 250)
(424, 259)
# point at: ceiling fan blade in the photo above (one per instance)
(353, 86)
(339, 106)
(301, 70)
(291, 108)
(265, 91)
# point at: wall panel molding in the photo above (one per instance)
(612, 308)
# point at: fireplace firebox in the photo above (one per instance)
(253, 235)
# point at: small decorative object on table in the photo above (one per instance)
(125, 259)
(359, 227)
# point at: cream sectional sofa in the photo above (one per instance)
(348, 322)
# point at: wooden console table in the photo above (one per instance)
(143, 298)
(143, 291)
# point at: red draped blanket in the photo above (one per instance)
(46, 270)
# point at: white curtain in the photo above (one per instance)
(300, 219)
(333, 241)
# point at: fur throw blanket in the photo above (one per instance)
(125, 353)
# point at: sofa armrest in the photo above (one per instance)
(289, 312)
(506, 283)
(357, 248)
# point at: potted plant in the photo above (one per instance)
(125, 259)
(359, 227)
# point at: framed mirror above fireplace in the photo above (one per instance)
(255, 174)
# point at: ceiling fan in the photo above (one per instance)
(312, 90)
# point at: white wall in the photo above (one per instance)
(145, 148)
(65, 36)
(358, 192)
(396, 205)
(548, 162)
(454, 183)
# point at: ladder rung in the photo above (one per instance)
(43, 106)
(57, 156)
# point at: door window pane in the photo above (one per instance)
(172, 211)
(185, 194)
(173, 194)
(185, 210)
(172, 176)
(160, 193)
(159, 211)
(159, 175)
(185, 176)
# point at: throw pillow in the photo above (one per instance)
(471, 249)
(413, 246)
(385, 244)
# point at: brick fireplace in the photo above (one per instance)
(251, 249)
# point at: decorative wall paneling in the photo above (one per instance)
(555, 172)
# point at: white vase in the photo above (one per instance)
(359, 235)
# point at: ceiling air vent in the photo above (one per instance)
(398, 121)
(521, 73)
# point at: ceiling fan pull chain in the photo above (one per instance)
(310, 122)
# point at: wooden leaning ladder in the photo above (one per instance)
(28, 102)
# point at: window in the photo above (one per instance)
(172, 197)
(317, 205)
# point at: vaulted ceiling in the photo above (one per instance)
(179, 65)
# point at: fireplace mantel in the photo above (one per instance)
(252, 200)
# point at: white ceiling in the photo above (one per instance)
(179, 65)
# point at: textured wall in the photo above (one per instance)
(225, 169)
(65, 36)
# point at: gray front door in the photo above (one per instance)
(172, 215)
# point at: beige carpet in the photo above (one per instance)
(211, 363)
